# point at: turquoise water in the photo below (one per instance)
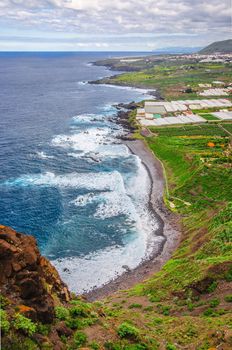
(66, 177)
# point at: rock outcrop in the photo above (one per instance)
(27, 279)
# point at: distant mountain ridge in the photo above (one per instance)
(224, 46)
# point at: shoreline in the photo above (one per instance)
(168, 227)
(168, 222)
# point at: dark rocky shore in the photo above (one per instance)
(168, 228)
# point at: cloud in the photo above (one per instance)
(119, 18)
(120, 15)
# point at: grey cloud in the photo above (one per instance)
(119, 16)
(118, 23)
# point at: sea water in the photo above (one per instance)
(66, 177)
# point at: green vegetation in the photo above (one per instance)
(135, 306)
(126, 330)
(176, 79)
(224, 46)
(181, 306)
(25, 324)
(208, 116)
(5, 324)
(192, 130)
(80, 338)
(62, 313)
(228, 298)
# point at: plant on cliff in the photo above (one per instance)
(80, 308)
(80, 338)
(25, 324)
(5, 324)
(126, 330)
(61, 312)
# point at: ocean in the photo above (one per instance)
(66, 178)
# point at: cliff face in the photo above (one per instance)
(27, 279)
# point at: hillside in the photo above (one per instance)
(185, 306)
(224, 46)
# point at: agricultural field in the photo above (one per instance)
(203, 130)
(175, 81)
(208, 116)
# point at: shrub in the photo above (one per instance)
(25, 324)
(212, 287)
(148, 308)
(164, 309)
(126, 330)
(5, 324)
(80, 338)
(157, 320)
(190, 306)
(3, 301)
(62, 313)
(214, 313)
(171, 347)
(154, 298)
(43, 329)
(74, 323)
(109, 345)
(228, 298)
(94, 345)
(214, 302)
(135, 306)
(136, 347)
(228, 275)
(80, 309)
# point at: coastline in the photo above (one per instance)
(168, 227)
(168, 222)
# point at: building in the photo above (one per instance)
(177, 112)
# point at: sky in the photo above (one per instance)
(112, 25)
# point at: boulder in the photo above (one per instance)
(27, 278)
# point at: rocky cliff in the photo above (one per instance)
(27, 279)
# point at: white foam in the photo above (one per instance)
(86, 141)
(130, 88)
(87, 118)
(92, 142)
(43, 155)
(82, 82)
(94, 270)
(85, 199)
(111, 181)
(117, 194)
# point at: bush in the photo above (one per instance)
(80, 309)
(171, 347)
(80, 338)
(157, 320)
(212, 287)
(135, 306)
(3, 301)
(214, 313)
(214, 302)
(109, 345)
(228, 298)
(126, 330)
(164, 309)
(74, 323)
(62, 313)
(5, 324)
(94, 345)
(136, 347)
(43, 329)
(228, 275)
(25, 324)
